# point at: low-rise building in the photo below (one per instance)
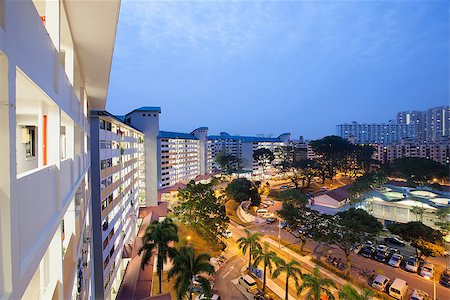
(439, 152)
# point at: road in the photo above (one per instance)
(413, 279)
(223, 283)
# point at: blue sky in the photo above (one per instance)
(268, 67)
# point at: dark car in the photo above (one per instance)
(270, 220)
(382, 256)
(368, 251)
(395, 241)
(445, 278)
(394, 251)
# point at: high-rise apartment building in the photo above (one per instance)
(117, 171)
(362, 133)
(432, 125)
(180, 157)
(55, 63)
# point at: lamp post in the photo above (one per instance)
(279, 232)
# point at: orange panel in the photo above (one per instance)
(44, 146)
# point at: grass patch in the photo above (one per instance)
(197, 242)
(350, 279)
(291, 246)
(166, 287)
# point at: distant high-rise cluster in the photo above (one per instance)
(429, 126)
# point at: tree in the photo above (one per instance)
(242, 189)
(291, 270)
(347, 228)
(417, 170)
(316, 285)
(426, 240)
(199, 208)
(187, 267)
(156, 240)
(263, 157)
(363, 156)
(249, 243)
(267, 257)
(418, 212)
(442, 215)
(227, 162)
(308, 170)
(348, 292)
(289, 164)
(334, 152)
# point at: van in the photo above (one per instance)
(398, 289)
(249, 283)
(262, 211)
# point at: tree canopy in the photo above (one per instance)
(228, 162)
(263, 157)
(361, 221)
(242, 189)
(199, 207)
(417, 170)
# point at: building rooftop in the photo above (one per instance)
(176, 135)
(146, 108)
(341, 193)
(244, 139)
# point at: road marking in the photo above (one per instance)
(229, 271)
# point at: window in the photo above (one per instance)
(29, 140)
(104, 204)
(102, 124)
(103, 164)
(105, 243)
(108, 126)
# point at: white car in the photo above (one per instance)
(412, 264)
(395, 260)
(419, 295)
(227, 234)
(427, 270)
(382, 248)
(380, 283)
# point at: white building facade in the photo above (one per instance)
(48, 49)
(439, 152)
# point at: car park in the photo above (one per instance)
(227, 234)
(380, 283)
(417, 294)
(445, 278)
(270, 220)
(368, 251)
(382, 256)
(248, 283)
(427, 270)
(398, 289)
(395, 260)
(394, 240)
(412, 264)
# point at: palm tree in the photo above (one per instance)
(156, 240)
(250, 243)
(187, 267)
(317, 285)
(268, 257)
(291, 269)
(348, 292)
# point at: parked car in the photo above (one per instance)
(264, 205)
(393, 250)
(427, 270)
(203, 297)
(368, 244)
(445, 278)
(412, 264)
(419, 295)
(270, 220)
(269, 202)
(398, 289)
(284, 187)
(262, 211)
(394, 240)
(380, 283)
(249, 283)
(368, 251)
(395, 260)
(311, 234)
(262, 296)
(282, 224)
(382, 247)
(382, 256)
(227, 234)
(356, 248)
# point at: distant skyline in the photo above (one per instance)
(269, 67)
